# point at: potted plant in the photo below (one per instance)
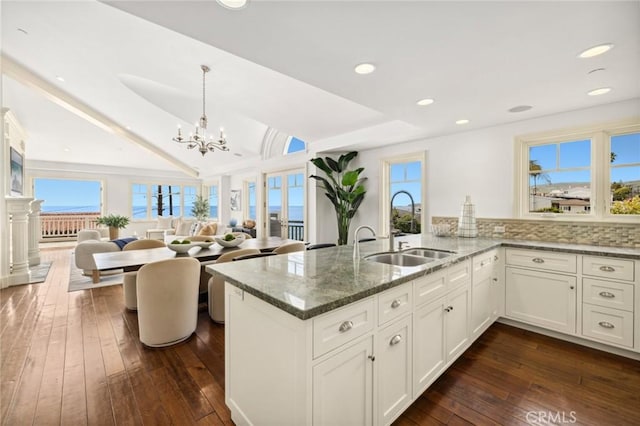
(343, 188)
(114, 222)
(200, 209)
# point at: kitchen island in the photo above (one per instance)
(319, 338)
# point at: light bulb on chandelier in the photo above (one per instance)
(199, 140)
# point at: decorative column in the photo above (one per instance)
(35, 232)
(18, 209)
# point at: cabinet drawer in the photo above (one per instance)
(608, 325)
(544, 260)
(394, 302)
(458, 274)
(342, 325)
(429, 287)
(607, 293)
(608, 267)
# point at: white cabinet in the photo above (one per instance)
(608, 300)
(540, 289)
(394, 370)
(429, 352)
(485, 297)
(343, 387)
(441, 324)
(541, 298)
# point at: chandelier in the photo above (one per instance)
(199, 138)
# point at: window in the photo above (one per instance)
(251, 202)
(294, 145)
(68, 196)
(149, 201)
(560, 177)
(213, 202)
(403, 174)
(589, 173)
(189, 198)
(624, 177)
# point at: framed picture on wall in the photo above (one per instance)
(236, 200)
(17, 172)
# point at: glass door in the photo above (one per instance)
(285, 204)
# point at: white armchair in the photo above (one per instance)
(168, 301)
(84, 256)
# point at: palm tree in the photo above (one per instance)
(535, 170)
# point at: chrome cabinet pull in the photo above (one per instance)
(395, 304)
(448, 309)
(607, 294)
(571, 287)
(495, 258)
(537, 260)
(395, 340)
(606, 324)
(372, 357)
(607, 268)
(345, 326)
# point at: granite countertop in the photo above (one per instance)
(310, 283)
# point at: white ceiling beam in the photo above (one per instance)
(18, 72)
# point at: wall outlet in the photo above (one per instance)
(499, 229)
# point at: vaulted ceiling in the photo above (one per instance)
(131, 72)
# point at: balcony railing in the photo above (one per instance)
(65, 226)
(296, 230)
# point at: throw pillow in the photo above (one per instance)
(176, 224)
(209, 229)
(164, 222)
(184, 227)
(195, 227)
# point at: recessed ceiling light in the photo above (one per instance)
(365, 68)
(596, 50)
(233, 4)
(425, 102)
(520, 108)
(66, 149)
(463, 121)
(600, 91)
(60, 78)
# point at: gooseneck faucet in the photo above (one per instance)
(356, 244)
(413, 216)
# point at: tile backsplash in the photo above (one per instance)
(593, 233)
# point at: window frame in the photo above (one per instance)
(385, 189)
(600, 136)
(150, 186)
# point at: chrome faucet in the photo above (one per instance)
(413, 216)
(356, 244)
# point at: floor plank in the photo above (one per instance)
(75, 358)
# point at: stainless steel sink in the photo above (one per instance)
(398, 259)
(426, 252)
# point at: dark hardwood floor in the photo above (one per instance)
(75, 358)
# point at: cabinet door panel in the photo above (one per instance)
(428, 342)
(393, 359)
(483, 304)
(343, 387)
(541, 298)
(457, 322)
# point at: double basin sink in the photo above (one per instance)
(409, 257)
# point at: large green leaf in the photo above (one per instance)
(319, 163)
(345, 159)
(333, 164)
(350, 178)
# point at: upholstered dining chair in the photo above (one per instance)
(289, 248)
(167, 293)
(255, 256)
(216, 285)
(129, 278)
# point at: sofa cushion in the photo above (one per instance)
(184, 227)
(164, 222)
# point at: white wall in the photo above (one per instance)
(477, 163)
